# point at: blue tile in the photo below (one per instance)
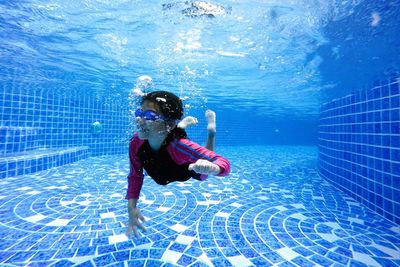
(121, 256)
(104, 260)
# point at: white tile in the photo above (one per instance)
(84, 203)
(85, 195)
(333, 225)
(299, 216)
(66, 203)
(206, 195)
(329, 237)
(263, 197)
(117, 195)
(23, 188)
(298, 206)
(237, 205)
(222, 214)
(117, 238)
(171, 256)
(35, 218)
(184, 239)
(389, 251)
(179, 227)
(204, 203)
(168, 194)
(287, 253)
(204, 258)
(185, 191)
(33, 193)
(147, 202)
(163, 209)
(240, 261)
(281, 208)
(58, 222)
(107, 215)
(121, 181)
(364, 258)
(395, 229)
(355, 220)
(213, 202)
(217, 191)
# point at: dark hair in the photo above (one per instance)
(171, 107)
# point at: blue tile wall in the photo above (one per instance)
(32, 119)
(40, 129)
(359, 146)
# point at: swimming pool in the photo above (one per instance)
(274, 209)
(307, 96)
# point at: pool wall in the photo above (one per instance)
(359, 146)
(41, 129)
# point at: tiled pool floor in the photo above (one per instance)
(272, 210)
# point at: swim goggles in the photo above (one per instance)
(148, 115)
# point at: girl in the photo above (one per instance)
(162, 149)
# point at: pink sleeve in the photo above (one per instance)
(185, 151)
(135, 177)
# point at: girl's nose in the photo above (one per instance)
(140, 120)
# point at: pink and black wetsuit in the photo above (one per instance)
(169, 164)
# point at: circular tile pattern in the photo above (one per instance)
(273, 209)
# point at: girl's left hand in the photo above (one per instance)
(203, 166)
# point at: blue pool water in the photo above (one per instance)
(307, 97)
(273, 209)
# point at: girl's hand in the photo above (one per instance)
(203, 166)
(135, 221)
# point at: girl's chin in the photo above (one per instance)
(143, 135)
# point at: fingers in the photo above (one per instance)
(191, 167)
(129, 232)
(136, 232)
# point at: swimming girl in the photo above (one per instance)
(162, 149)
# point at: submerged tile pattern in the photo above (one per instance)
(273, 209)
(359, 147)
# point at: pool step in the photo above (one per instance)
(39, 160)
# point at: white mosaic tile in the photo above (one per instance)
(287, 253)
(117, 238)
(355, 220)
(58, 222)
(179, 227)
(389, 251)
(163, 209)
(171, 256)
(299, 216)
(66, 202)
(237, 205)
(84, 203)
(25, 188)
(240, 261)
(184, 239)
(222, 214)
(364, 258)
(107, 215)
(329, 237)
(281, 208)
(33, 193)
(147, 202)
(35, 218)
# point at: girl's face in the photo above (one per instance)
(148, 129)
